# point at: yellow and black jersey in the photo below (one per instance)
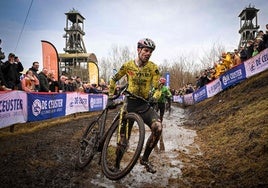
(140, 79)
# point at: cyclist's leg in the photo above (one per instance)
(162, 112)
(161, 107)
(151, 118)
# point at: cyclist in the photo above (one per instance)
(142, 75)
(163, 94)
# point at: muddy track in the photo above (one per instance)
(46, 158)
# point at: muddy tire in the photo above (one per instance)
(88, 145)
(122, 148)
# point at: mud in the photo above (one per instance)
(46, 157)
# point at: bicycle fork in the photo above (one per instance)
(122, 136)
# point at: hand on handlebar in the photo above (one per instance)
(111, 104)
(152, 101)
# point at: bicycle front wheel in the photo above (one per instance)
(88, 144)
(122, 146)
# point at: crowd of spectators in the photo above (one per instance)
(227, 61)
(35, 80)
(11, 77)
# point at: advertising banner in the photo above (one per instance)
(200, 94)
(50, 58)
(188, 99)
(257, 64)
(233, 76)
(45, 106)
(167, 76)
(177, 98)
(76, 102)
(95, 102)
(214, 87)
(13, 108)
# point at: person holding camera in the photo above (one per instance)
(2, 78)
(11, 70)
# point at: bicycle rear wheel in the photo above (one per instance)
(122, 148)
(88, 144)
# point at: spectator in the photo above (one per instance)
(236, 58)
(43, 81)
(204, 78)
(93, 89)
(69, 85)
(226, 60)
(34, 69)
(29, 82)
(242, 54)
(3, 82)
(189, 88)
(62, 83)
(255, 50)
(265, 37)
(220, 69)
(249, 48)
(79, 83)
(11, 69)
(53, 84)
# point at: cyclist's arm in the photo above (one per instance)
(169, 95)
(115, 78)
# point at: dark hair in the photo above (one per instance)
(35, 62)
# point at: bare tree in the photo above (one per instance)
(212, 56)
(117, 57)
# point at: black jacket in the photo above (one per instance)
(43, 82)
(12, 73)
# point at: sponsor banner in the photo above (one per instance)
(233, 76)
(93, 72)
(45, 106)
(188, 99)
(200, 94)
(96, 102)
(76, 102)
(13, 108)
(105, 98)
(177, 98)
(214, 87)
(50, 58)
(167, 76)
(257, 64)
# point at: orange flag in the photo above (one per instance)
(50, 58)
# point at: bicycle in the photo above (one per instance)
(120, 145)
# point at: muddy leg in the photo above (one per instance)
(162, 145)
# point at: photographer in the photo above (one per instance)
(2, 78)
(11, 70)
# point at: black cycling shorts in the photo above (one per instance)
(148, 114)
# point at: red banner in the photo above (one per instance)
(50, 58)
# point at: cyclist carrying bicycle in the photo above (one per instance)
(163, 94)
(142, 75)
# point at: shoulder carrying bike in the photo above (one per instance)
(120, 145)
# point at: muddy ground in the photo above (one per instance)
(220, 142)
(46, 157)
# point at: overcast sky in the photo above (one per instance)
(177, 26)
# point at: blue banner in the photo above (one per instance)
(45, 106)
(233, 76)
(200, 94)
(95, 102)
(167, 76)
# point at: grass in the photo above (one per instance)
(233, 134)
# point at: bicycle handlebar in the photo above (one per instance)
(123, 90)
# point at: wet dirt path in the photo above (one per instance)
(47, 157)
(177, 140)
